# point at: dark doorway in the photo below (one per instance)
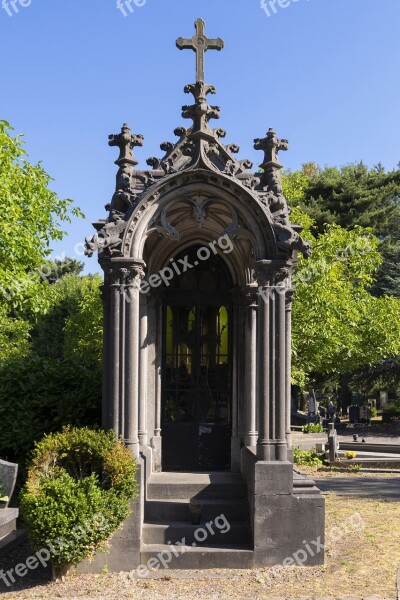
(196, 393)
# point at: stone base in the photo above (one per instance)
(156, 443)
(288, 524)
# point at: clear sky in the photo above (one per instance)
(323, 73)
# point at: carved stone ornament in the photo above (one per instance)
(272, 276)
(134, 275)
(199, 147)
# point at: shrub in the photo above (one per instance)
(313, 428)
(391, 412)
(80, 483)
(41, 395)
(306, 457)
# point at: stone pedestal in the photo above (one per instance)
(285, 523)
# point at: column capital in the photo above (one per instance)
(272, 273)
(132, 275)
(123, 272)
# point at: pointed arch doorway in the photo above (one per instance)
(197, 367)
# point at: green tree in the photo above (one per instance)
(66, 266)
(32, 219)
(53, 375)
(14, 336)
(355, 195)
(338, 325)
(72, 326)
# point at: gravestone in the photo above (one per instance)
(383, 399)
(8, 516)
(8, 478)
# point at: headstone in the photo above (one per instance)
(332, 443)
(312, 403)
(8, 478)
(383, 399)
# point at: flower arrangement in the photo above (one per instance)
(349, 455)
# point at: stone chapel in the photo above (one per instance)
(198, 253)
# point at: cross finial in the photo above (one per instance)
(271, 146)
(126, 141)
(199, 44)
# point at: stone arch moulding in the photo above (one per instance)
(204, 207)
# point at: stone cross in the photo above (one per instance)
(126, 141)
(271, 146)
(199, 44)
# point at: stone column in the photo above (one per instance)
(156, 442)
(289, 303)
(113, 354)
(134, 276)
(143, 383)
(234, 345)
(271, 361)
(250, 375)
(107, 409)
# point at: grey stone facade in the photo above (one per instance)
(195, 194)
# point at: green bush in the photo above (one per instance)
(313, 428)
(78, 493)
(306, 457)
(374, 412)
(391, 412)
(41, 395)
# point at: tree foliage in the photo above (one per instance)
(53, 375)
(67, 266)
(32, 218)
(48, 375)
(338, 325)
(72, 326)
(355, 195)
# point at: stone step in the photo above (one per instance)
(178, 509)
(210, 557)
(223, 532)
(165, 486)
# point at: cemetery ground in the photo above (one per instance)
(360, 564)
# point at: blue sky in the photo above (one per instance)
(323, 73)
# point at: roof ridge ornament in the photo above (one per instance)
(271, 146)
(199, 147)
(199, 43)
(126, 141)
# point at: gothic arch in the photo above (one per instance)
(202, 209)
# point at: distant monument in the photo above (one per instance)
(198, 254)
